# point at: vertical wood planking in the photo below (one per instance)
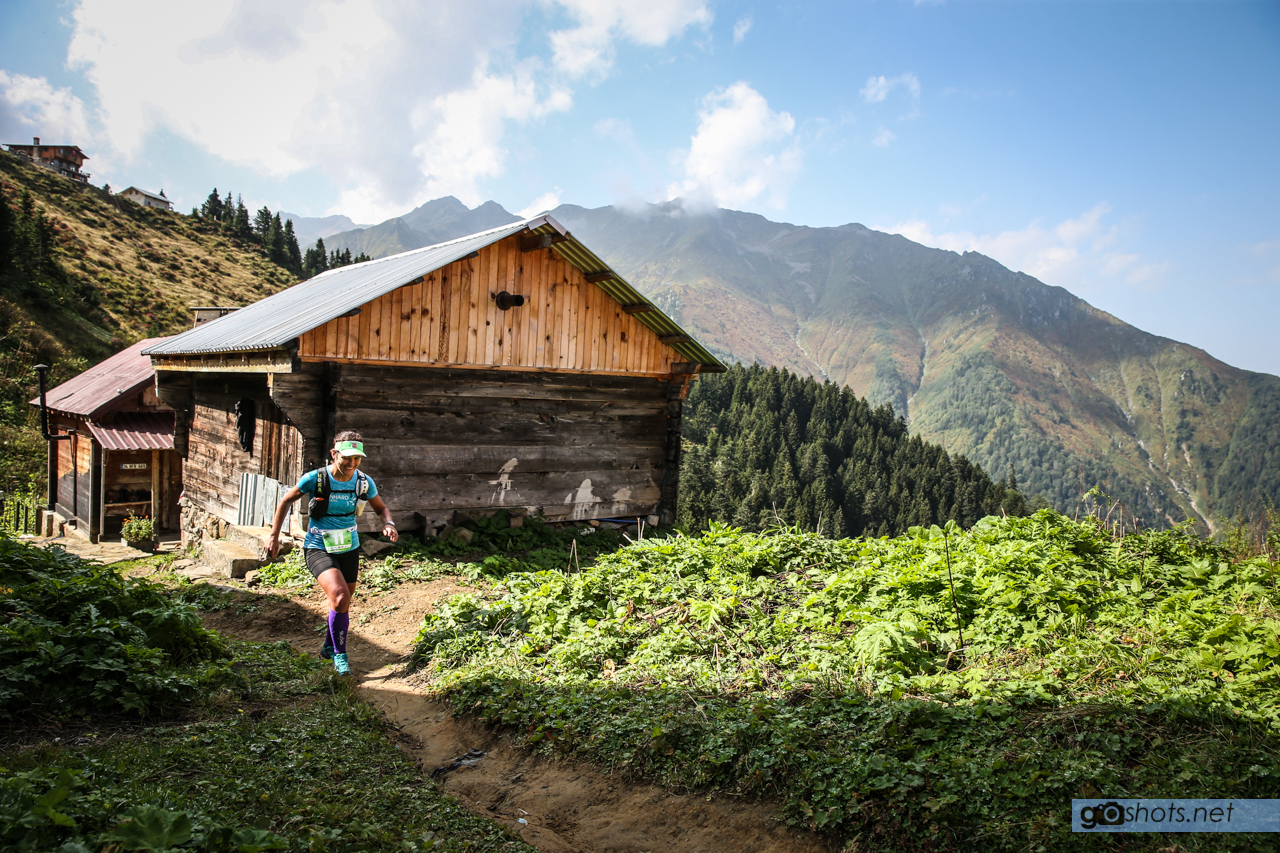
(532, 334)
(471, 305)
(476, 324)
(414, 300)
(404, 307)
(396, 299)
(462, 300)
(431, 327)
(366, 324)
(616, 346)
(555, 302)
(555, 350)
(330, 337)
(581, 321)
(489, 287)
(441, 352)
(450, 317)
(387, 311)
(513, 320)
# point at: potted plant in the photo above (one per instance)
(139, 532)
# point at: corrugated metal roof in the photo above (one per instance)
(136, 431)
(102, 387)
(276, 321)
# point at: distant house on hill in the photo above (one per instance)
(147, 199)
(119, 460)
(64, 159)
(511, 369)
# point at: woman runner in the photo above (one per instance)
(332, 546)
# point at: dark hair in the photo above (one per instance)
(347, 435)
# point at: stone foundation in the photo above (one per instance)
(198, 525)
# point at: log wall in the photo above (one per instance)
(564, 445)
(451, 317)
(214, 463)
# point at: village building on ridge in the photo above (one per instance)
(63, 159)
(510, 369)
(147, 199)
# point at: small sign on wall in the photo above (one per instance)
(133, 466)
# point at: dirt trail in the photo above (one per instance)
(566, 806)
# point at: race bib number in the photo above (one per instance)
(339, 541)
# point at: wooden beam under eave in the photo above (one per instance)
(535, 242)
(638, 308)
(675, 339)
(272, 361)
(593, 277)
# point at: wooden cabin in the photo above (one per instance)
(64, 159)
(119, 459)
(510, 369)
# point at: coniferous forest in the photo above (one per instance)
(765, 447)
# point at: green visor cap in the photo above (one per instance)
(350, 448)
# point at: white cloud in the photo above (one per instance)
(879, 88)
(1076, 253)
(29, 106)
(466, 128)
(741, 151)
(588, 47)
(741, 28)
(615, 129)
(884, 137)
(541, 204)
(390, 101)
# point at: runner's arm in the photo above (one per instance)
(388, 523)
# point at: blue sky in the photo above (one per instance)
(1124, 150)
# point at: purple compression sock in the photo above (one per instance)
(338, 623)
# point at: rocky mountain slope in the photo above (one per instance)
(985, 361)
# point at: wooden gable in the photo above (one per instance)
(451, 318)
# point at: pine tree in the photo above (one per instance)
(315, 261)
(262, 225)
(293, 255)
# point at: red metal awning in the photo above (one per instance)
(135, 431)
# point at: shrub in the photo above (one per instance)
(76, 637)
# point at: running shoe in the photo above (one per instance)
(340, 663)
(326, 649)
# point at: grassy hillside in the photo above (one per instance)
(127, 272)
(987, 362)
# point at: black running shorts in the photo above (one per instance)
(320, 561)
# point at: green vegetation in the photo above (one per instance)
(495, 550)
(942, 690)
(79, 638)
(271, 750)
(767, 447)
(320, 774)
